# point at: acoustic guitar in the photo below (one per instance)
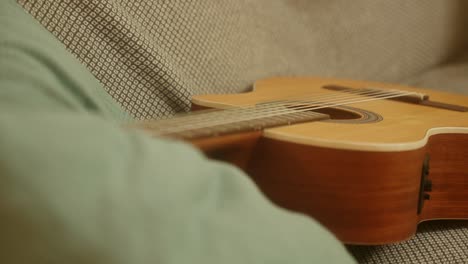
(368, 160)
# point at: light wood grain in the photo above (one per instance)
(404, 126)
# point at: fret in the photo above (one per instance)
(235, 126)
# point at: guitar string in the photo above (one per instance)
(255, 114)
(263, 107)
(350, 90)
(253, 111)
(299, 109)
(236, 111)
(180, 117)
(292, 111)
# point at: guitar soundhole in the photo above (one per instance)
(346, 114)
(339, 114)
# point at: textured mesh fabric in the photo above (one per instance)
(437, 242)
(152, 56)
(452, 77)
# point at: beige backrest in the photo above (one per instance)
(153, 55)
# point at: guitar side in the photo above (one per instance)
(365, 197)
(361, 180)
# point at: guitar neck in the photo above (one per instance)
(202, 124)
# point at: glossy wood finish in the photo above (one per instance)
(362, 197)
(362, 181)
(449, 176)
(235, 148)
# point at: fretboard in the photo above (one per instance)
(202, 124)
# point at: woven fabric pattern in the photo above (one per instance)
(437, 242)
(451, 77)
(152, 56)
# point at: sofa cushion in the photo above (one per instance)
(450, 77)
(437, 242)
(152, 56)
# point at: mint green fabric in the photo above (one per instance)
(77, 188)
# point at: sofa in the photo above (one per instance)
(153, 56)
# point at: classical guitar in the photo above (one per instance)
(368, 160)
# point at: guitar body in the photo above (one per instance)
(369, 178)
